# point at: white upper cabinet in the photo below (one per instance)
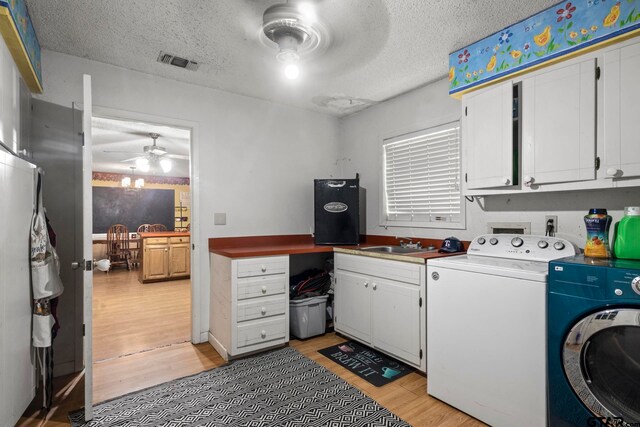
(621, 155)
(559, 125)
(487, 123)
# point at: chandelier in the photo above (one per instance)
(127, 181)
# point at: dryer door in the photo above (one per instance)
(601, 359)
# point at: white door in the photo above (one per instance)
(87, 247)
(487, 123)
(396, 320)
(621, 94)
(353, 305)
(559, 125)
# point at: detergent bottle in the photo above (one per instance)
(627, 234)
(597, 224)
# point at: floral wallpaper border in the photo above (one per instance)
(27, 33)
(149, 179)
(557, 31)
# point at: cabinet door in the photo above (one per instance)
(156, 262)
(179, 260)
(353, 305)
(487, 123)
(621, 95)
(396, 319)
(559, 125)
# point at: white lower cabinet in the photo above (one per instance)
(381, 303)
(249, 304)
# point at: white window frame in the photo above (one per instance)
(384, 221)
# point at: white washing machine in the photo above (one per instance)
(486, 328)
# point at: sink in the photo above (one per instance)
(396, 250)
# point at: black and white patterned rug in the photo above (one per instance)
(279, 388)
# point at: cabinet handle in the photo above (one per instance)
(263, 268)
(528, 180)
(375, 286)
(166, 250)
(263, 333)
(263, 311)
(366, 284)
(506, 181)
(264, 289)
(613, 172)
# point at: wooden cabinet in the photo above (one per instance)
(380, 303)
(249, 304)
(164, 258)
(559, 124)
(487, 126)
(621, 154)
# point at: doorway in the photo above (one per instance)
(141, 187)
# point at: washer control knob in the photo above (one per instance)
(618, 292)
(543, 244)
(635, 285)
(481, 240)
(558, 246)
(493, 241)
(517, 242)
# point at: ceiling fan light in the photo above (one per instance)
(292, 71)
(165, 164)
(308, 12)
(139, 183)
(143, 164)
(125, 182)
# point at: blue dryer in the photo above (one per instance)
(593, 342)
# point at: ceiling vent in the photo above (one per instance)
(167, 58)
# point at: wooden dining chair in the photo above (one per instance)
(118, 250)
(158, 227)
(144, 228)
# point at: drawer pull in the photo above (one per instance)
(264, 268)
(263, 311)
(264, 289)
(263, 333)
(366, 284)
(375, 286)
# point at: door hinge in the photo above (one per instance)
(597, 163)
(420, 302)
(420, 354)
(193, 246)
(465, 177)
(465, 110)
(598, 73)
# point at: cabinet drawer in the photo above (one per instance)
(183, 239)
(155, 240)
(262, 266)
(261, 286)
(261, 331)
(388, 269)
(261, 308)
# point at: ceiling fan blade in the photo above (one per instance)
(116, 151)
(132, 159)
(176, 156)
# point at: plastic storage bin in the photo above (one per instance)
(307, 317)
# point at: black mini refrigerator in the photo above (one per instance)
(339, 212)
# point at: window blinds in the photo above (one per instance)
(422, 176)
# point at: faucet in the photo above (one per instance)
(411, 245)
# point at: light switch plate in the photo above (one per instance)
(220, 218)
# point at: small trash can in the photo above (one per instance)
(307, 317)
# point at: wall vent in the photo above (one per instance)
(176, 61)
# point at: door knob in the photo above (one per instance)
(102, 265)
(76, 265)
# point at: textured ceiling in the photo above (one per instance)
(377, 49)
(116, 144)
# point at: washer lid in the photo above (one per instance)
(528, 270)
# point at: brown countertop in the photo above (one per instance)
(252, 246)
(164, 234)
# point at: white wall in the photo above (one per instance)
(253, 159)
(9, 99)
(361, 136)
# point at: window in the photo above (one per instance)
(421, 179)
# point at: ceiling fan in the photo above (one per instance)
(153, 156)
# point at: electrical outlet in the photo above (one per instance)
(553, 219)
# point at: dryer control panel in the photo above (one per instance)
(524, 247)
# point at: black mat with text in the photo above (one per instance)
(368, 364)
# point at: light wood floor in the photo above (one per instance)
(115, 375)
